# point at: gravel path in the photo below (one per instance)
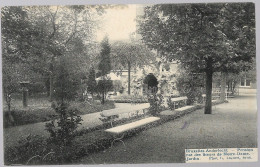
(232, 125)
(13, 134)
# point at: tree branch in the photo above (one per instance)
(53, 22)
(74, 31)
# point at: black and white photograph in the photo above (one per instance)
(120, 83)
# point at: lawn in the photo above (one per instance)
(39, 110)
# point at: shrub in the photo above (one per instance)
(103, 86)
(27, 148)
(155, 101)
(62, 132)
(170, 104)
(22, 117)
(38, 151)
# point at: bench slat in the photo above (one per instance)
(133, 125)
(179, 99)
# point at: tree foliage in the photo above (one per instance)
(66, 83)
(190, 85)
(91, 81)
(40, 36)
(130, 55)
(202, 37)
(103, 86)
(104, 68)
(134, 52)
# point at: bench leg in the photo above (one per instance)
(214, 107)
(118, 139)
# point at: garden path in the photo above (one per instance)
(232, 125)
(13, 134)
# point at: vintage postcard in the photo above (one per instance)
(129, 83)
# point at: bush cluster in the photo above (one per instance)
(63, 129)
(22, 117)
(190, 85)
(36, 150)
(130, 100)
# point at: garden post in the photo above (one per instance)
(24, 85)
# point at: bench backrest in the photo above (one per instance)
(179, 99)
(118, 111)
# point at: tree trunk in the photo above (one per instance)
(223, 86)
(25, 97)
(51, 87)
(103, 91)
(233, 88)
(8, 101)
(51, 77)
(92, 94)
(209, 73)
(129, 71)
(103, 97)
(10, 116)
(9, 107)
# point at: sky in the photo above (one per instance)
(118, 23)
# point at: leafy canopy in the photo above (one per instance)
(193, 34)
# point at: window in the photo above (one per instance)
(242, 82)
(245, 82)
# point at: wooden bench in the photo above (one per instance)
(179, 101)
(217, 95)
(122, 129)
(110, 116)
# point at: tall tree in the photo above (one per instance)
(65, 26)
(195, 36)
(91, 81)
(129, 56)
(41, 35)
(17, 33)
(104, 67)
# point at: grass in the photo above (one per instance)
(39, 110)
